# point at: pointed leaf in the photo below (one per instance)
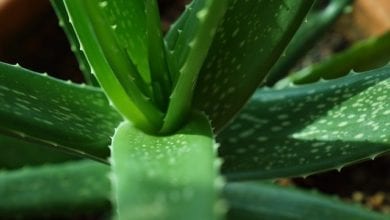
(316, 25)
(250, 38)
(59, 8)
(364, 55)
(129, 22)
(55, 113)
(89, 181)
(137, 30)
(188, 55)
(306, 129)
(252, 201)
(165, 177)
(162, 83)
(175, 40)
(116, 73)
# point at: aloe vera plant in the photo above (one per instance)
(179, 122)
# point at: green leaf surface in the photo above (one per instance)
(362, 56)
(59, 189)
(136, 25)
(116, 73)
(129, 23)
(38, 108)
(54, 191)
(306, 129)
(250, 38)
(16, 153)
(161, 81)
(184, 30)
(176, 40)
(252, 201)
(316, 25)
(188, 55)
(165, 177)
(59, 8)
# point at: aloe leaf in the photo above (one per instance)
(90, 188)
(165, 177)
(250, 201)
(249, 39)
(129, 22)
(55, 113)
(193, 45)
(317, 23)
(54, 191)
(182, 32)
(311, 128)
(364, 55)
(16, 153)
(116, 73)
(60, 10)
(161, 80)
(175, 31)
(142, 40)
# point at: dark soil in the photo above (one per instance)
(367, 183)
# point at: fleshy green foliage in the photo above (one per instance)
(196, 38)
(306, 129)
(252, 201)
(115, 72)
(251, 152)
(163, 154)
(54, 191)
(38, 108)
(136, 28)
(248, 41)
(362, 56)
(315, 26)
(171, 177)
(139, 84)
(33, 153)
(247, 200)
(60, 10)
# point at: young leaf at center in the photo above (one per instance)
(165, 177)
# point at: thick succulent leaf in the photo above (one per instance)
(188, 55)
(87, 186)
(250, 38)
(252, 201)
(175, 31)
(137, 30)
(306, 129)
(55, 113)
(165, 177)
(54, 191)
(161, 81)
(115, 71)
(62, 15)
(16, 153)
(129, 22)
(184, 30)
(317, 23)
(364, 55)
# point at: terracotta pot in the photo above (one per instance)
(372, 17)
